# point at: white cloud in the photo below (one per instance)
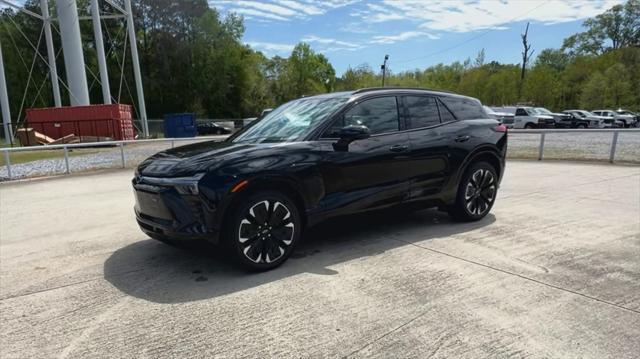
(390, 39)
(329, 41)
(326, 45)
(257, 13)
(442, 15)
(279, 10)
(306, 8)
(271, 48)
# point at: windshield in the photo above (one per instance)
(542, 111)
(291, 121)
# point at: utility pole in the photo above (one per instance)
(55, 86)
(526, 56)
(4, 103)
(136, 68)
(102, 61)
(384, 68)
(72, 49)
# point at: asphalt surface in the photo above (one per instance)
(553, 271)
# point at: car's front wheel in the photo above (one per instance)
(263, 230)
(476, 193)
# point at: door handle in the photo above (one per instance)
(398, 148)
(462, 138)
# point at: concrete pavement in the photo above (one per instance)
(553, 271)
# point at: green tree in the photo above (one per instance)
(617, 87)
(308, 73)
(554, 58)
(592, 95)
(615, 28)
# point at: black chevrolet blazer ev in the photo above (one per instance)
(318, 157)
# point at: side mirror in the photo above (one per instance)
(354, 132)
(265, 112)
(349, 134)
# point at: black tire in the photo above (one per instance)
(529, 126)
(582, 126)
(262, 231)
(476, 194)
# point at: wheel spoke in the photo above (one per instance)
(280, 215)
(486, 178)
(260, 212)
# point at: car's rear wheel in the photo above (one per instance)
(476, 193)
(263, 230)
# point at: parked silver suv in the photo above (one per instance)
(619, 120)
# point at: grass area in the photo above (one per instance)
(29, 156)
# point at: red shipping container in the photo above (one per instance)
(109, 121)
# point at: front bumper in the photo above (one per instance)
(161, 211)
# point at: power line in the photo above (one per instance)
(471, 38)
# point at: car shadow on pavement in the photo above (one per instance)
(160, 273)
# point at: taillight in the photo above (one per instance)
(500, 128)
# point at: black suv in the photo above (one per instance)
(319, 157)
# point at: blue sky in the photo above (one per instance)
(415, 33)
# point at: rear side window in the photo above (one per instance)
(445, 114)
(422, 111)
(464, 109)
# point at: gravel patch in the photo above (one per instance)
(559, 146)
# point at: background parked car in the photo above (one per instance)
(528, 117)
(593, 121)
(618, 120)
(636, 115)
(212, 128)
(560, 119)
(504, 117)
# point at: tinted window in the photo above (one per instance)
(380, 115)
(464, 109)
(423, 111)
(445, 114)
(521, 112)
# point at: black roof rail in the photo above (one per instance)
(369, 89)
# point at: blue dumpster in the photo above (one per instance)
(180, 125)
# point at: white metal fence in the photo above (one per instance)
(514, 135)
(543, 135)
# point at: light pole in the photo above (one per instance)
(384, 68)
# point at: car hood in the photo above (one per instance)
(194, 158)
(546, 117)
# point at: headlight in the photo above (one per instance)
(184, 185)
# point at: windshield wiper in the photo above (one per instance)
(262, 139)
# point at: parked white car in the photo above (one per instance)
(558, 118)
(504, 117)
(595, 121)
(528, 117)
(635, 115)
(619, 120)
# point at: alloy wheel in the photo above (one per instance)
(480, 192)
(266, 231)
